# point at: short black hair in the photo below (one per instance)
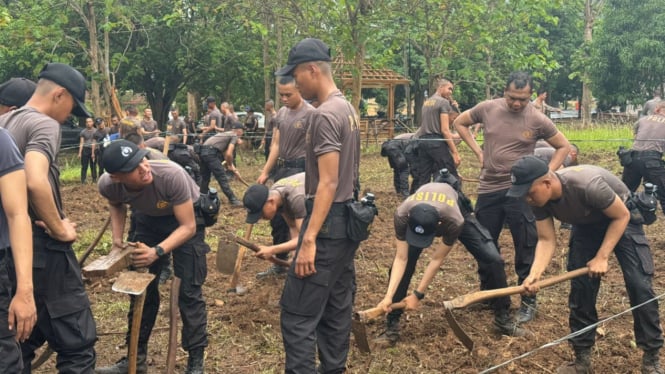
(577, 149)
(520, 79)
(134, 138)
(131, 109)
(286, 79)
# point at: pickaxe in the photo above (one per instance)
(466, 300)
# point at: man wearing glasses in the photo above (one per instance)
(512, 126)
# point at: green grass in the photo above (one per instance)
(600, 137)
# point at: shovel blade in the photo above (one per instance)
(360, 335)
(227, 253)
(132, 282)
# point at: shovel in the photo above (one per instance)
(227, 253)
(358, 324)
(466, 300)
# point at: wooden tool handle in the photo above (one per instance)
(472, 298)
(255, 248)
(370, 314)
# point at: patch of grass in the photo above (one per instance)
(600, 137)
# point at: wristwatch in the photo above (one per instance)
(419, 295)
(159, 250)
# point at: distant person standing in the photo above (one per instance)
(101, 141)
(270, 124)
(87, 150)
(650, 105)
(436, 148)
(318, 293)
(287, 154)
(149, 125)
(213, 121)
(251, 128)
(512, 126)
(177, 127)
(647, 155)
(541, 104)
(65, 318)
(115, 125)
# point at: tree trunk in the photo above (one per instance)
(357, 73)
(279, 55)
(267, 65)
(587, 96)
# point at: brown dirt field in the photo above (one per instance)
(244, 330)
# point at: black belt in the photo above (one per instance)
(208, 150)
(336, 209)
(648, 154)
(297, 163)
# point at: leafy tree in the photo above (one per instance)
(628, 52)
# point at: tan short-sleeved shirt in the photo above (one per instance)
(292, 191)
(508, 137)
(222, 140)
(34, 131)
(650, 133)
(586, 191)
(292, 125)
(333, 127)
(149, 126)
(433, 107)
(171, 186)
(441, 196)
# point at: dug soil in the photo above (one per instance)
(244, 331)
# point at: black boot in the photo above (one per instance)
(122, 366)
(651, 362)
(195, 361)
(581, 365)
(390, 337)
(505, 325)
(527, 310)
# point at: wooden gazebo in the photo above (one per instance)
(373, 78)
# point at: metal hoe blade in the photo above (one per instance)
(227, 253)
(457, 330)
(360, 335)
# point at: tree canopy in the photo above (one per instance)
(166, 49)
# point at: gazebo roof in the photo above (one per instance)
(371, 77)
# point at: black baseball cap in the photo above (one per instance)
(238, 125)
(423, 219)
(524, 172)
(254, 199)
(306, 50)
(16, 92)
(71, 79)
(123, 156)
(210, 99)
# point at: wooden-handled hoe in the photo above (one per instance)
(475, 297)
